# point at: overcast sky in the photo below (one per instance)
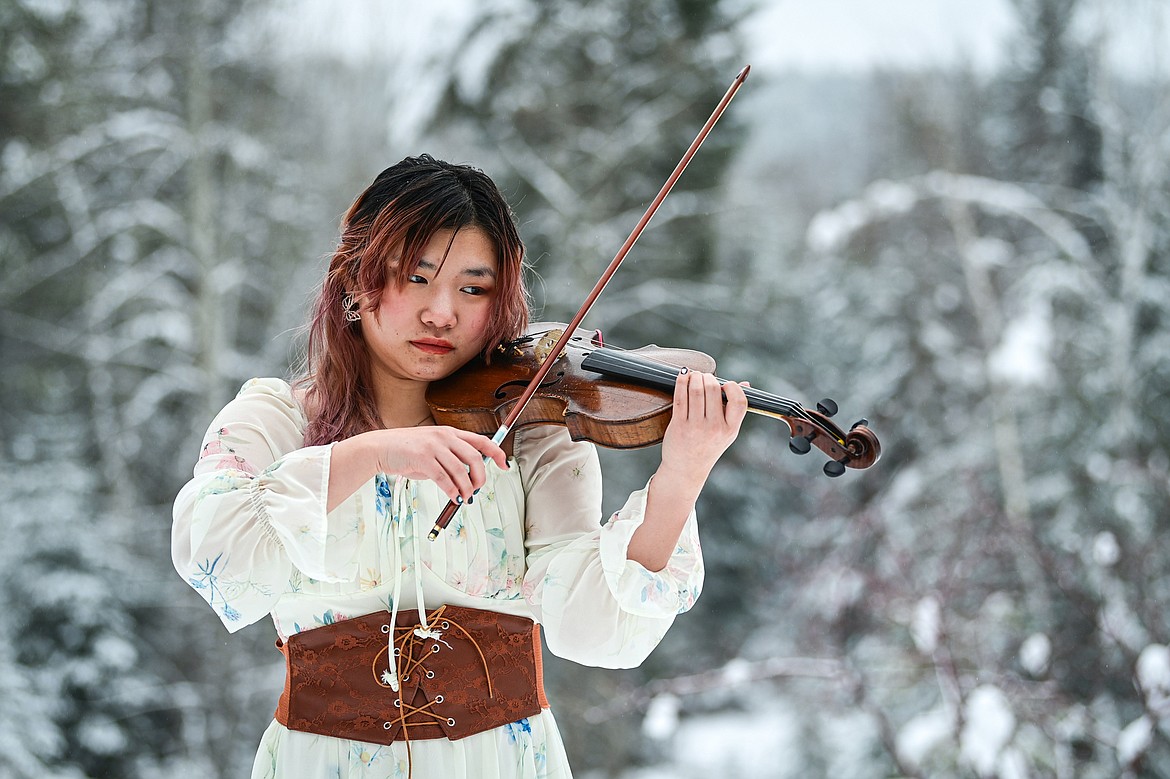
(859, 34)
(847, 35)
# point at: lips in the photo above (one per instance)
(433, 345)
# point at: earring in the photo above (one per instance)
(350, 308)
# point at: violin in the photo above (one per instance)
(528, 391)
(617, 398)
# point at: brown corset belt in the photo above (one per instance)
(482, 670)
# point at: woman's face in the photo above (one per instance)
(428, 328)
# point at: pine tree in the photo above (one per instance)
(586, 108)
(1006, 352)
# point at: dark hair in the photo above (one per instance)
(382, 238)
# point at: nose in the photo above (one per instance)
(439, 311)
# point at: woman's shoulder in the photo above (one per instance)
(267, 387)
(271, 399)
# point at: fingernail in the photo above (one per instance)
(458, 500)
(471, 500)
(475, 492)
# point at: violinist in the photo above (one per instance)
(312, 501)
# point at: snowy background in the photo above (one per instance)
(951, 217)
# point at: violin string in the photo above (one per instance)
(648, 369)
(651, 370)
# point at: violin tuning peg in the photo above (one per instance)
(834, 468)
(863, 422)
(827, 407)
(799, 445)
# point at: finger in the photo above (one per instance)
(697, 396)
(473, 464)
(737, 402)
(456, 469)
(713, 397)
(486, 447)
(682, 384)
(446, 486)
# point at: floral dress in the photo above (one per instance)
(252, 536)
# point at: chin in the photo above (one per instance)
(438, 372)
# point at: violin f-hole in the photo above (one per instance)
(502, 392)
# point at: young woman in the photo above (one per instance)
(313, 502)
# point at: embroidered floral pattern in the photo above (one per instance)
(221, 448)
(208, 585)
(518, 732)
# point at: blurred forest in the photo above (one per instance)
(977, 262)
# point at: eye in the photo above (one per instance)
(414, 278)
(474, 290)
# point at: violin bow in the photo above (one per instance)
(506, 428)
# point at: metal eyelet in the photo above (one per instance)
(450, 722)
(430, 674)
(434, 648)
(398, 703)
(387, 725)
(438, 699)
(385, 628)
(446, 625)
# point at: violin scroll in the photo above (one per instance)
(859, 448)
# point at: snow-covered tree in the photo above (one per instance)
(587, 107)
(147, 233)
(992, 588)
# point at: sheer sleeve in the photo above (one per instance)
(596, 607)
(255, 509)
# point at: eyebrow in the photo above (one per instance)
(476, 271)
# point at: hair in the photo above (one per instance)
(382, 238)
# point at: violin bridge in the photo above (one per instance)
(545, 345)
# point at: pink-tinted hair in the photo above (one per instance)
(395, 218)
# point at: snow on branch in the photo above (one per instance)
(884, 200)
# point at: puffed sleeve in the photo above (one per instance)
(255, 509)
(596, 607)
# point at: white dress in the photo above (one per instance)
(252, 536)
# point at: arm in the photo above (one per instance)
(606, 595)
(261, 505)
(597, 607)
(255, 509)
(701, 428)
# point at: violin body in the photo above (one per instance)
(619, 399)
(615, 414)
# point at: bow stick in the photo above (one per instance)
(502, 433)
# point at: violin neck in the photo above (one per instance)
(654, 373)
